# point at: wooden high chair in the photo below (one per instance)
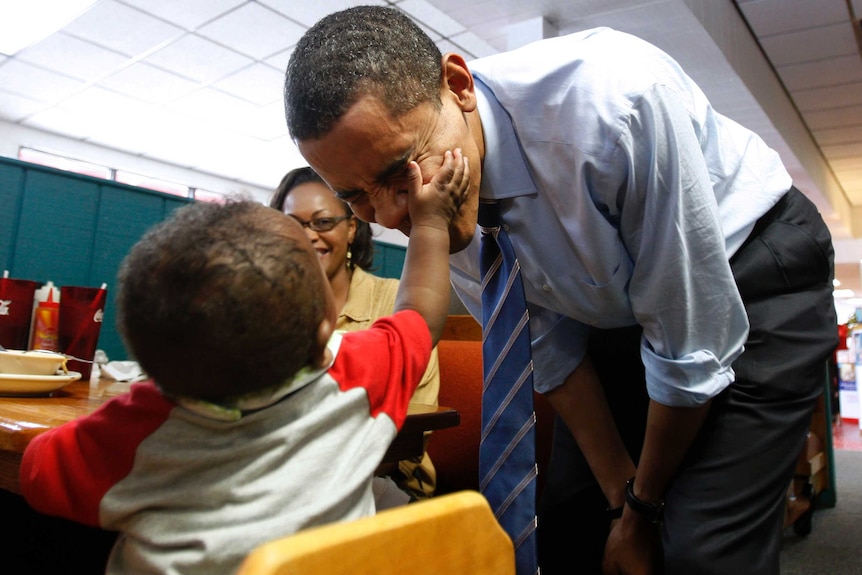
(454, 534)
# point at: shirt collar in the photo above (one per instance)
(504, 169)
(233, 410)
(357, 308)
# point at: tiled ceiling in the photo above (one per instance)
(815, 49)
(197, 83)
(814, 46)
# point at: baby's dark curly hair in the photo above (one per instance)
(219, 301)
(360, 51)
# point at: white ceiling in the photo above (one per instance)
(198, 83)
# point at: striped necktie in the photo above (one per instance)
(507, 462)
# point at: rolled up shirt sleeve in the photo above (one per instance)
(688, 381)
(682, 289)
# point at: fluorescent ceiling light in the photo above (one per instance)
(25, 22)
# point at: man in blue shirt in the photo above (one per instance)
(679, 287)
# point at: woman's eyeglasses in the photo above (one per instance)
(321, 224)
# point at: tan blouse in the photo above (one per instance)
(371, 297)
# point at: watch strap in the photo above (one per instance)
(652, 511)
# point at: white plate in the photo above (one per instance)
(14, 384)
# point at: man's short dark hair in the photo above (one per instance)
(365, 50)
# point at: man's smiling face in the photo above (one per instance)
(364, 158)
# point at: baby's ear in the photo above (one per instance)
(320, 353)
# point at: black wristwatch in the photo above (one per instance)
(652, 511)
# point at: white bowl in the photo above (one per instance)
(31, 362)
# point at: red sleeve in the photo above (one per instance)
(388, 359)
(67, 470)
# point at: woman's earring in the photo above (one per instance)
(349, 258)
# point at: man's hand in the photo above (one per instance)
(633, 547)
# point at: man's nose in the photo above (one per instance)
(363, 210)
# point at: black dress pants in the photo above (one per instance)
(724, 507)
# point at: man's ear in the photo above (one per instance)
(458, 81)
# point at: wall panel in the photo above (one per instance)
(74, 230)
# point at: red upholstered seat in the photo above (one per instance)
(455, 451)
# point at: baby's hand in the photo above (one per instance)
(437, 202)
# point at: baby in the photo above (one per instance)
(259, 419)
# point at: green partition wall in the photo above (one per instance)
(75, 230)
(388, 260)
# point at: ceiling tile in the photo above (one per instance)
(198, 59)
(139, 133)
(831, 97)
(218, 108)
(473, 45)
(433, 34)
(14, 108)
(149, 84)
(432, 17)
(185, 142)
(186, 13)
(258, 84)
(35, 83)
(57, 120)
(308, 13)
(267, 122)
(268, 164)
(822, 73)
(97, 101)
(228, 154)
(834, 117)
(254, 30)
(115, 120)
(280, 60)
(770, 17)
(121, 28)
(811, 44)
(73, 57)
(847, 164)
(839, 151)
(488, 12)
(843, 135)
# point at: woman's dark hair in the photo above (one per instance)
(362, 246)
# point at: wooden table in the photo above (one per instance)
(410, 441)
(23, 418)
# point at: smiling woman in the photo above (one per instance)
(345, 250)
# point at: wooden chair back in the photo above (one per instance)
(454, 534)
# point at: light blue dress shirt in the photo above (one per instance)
(624, 194)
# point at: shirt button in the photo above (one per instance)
(546, 287)
(506, 227)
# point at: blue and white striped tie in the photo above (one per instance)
(507, 460)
